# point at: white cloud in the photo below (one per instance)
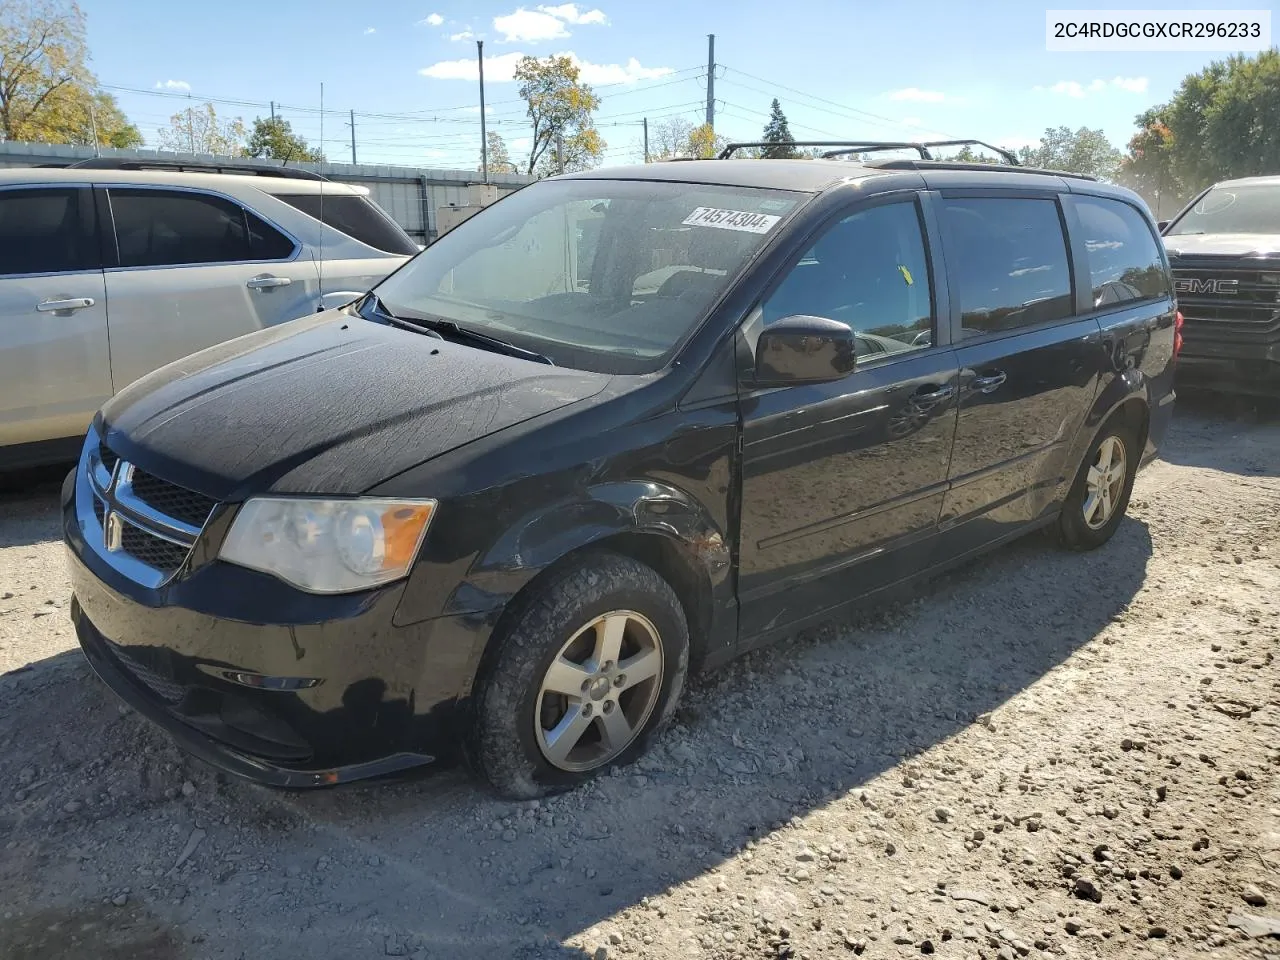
(464, 35)
(570, 13)
(501, 69)
(1077, 90)
(1131, 84)
(529, 26)
(180, 85)
(544, 23)
(431, 20)
(916, 95)
(630, 72)
(370, 30)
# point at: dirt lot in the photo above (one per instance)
(1047, 755)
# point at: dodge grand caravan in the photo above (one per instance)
(619, 424)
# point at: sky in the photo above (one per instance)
(887, 71)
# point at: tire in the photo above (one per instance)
(1075, 530)
(523, 731)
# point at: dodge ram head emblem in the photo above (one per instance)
(1206, 285)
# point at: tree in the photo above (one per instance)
(47, 92)
(669, 138)
(1149, 167)
(1084, 151)
(198, 130)
(1223, 122)
(112, 126)
(560, 107)
(499, 158)
(776, 131)
(273, 138)
(704, 142)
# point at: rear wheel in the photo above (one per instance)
(1098, 498)
(587, 668)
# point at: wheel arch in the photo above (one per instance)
(655, 524)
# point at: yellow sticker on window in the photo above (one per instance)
(906, 274)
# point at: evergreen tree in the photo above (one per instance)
(777, 132)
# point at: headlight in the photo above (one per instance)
(328, 546)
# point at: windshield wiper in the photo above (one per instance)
(449, 330)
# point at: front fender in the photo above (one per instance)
(544, 536)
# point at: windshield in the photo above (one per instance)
(604, 275)
(1240, 208)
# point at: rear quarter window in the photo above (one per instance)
(357, 217)
(1124, 262)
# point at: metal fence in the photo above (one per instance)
(411, 195)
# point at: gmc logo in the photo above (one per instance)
(1204, 285)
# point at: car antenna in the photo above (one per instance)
(320, 265)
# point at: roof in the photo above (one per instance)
(814, 176)
(208, 181)
(806, 176)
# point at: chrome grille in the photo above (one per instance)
(171, 499)
(152, 550)
(142, 525)
(1213, 296)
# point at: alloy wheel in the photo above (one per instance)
(1104, 483)
(599, 691)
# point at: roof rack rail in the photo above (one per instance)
(960, 165)
(195, 166)
(847, 147)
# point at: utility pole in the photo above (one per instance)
(353, 138)
(484, 137)
(711, 80)
(273, 112)
(646, 139)
(191, 131)
(559, 152)
(93, 124)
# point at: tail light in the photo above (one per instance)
(1177, 333)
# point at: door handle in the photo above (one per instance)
(989, 383)
(268, 283)
(925, 395)
(69, 305)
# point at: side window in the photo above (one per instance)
(174, 228)
(870, 271)
(1124, 262)
(1009, 259)
(42, 231)
(357, 217)
(265, 241)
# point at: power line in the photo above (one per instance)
(823, 100)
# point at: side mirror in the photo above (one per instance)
(1160, 225)
(801, 349)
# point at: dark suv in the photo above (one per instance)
(618, 424)
(1225, 252)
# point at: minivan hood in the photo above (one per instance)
(329, 404)
(1223, 244)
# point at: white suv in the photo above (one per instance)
(107, 274)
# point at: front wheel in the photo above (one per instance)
(1098, 498)
(587, 668)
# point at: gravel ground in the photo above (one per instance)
(1049, 754)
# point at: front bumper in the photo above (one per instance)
(1230, 367)
(268, 683)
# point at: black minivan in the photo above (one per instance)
(619, 424)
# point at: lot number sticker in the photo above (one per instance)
(731, 220)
